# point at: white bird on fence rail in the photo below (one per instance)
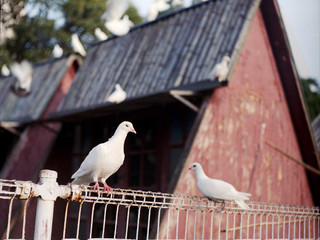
(104, 159)
(156, 7)
(57, 51)
(220, 70)
(23, 72)
(100, 35)
(77, 45)
(218, 190)
(118, 95)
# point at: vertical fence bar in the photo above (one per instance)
(9, 217)
(186, 227)
(138, 222)
(24, 219)
(227, 225)
(65, 220)
(158, 222)
(105, 220)
(45, 206)
(211, 225)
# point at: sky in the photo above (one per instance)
(302, 23)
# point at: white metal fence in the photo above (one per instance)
(131, 214)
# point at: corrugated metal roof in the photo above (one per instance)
(46, 78)
(174, 51)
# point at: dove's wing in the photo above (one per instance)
(218, 189)
(91, 162)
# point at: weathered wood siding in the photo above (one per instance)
(240, 118)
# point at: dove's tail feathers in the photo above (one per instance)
(245, 196)
(242, 204)
(79, 181)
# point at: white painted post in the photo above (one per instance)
(47, 188)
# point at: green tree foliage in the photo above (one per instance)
(36, 35)
(82, 17)
(312, 96)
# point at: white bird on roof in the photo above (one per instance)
(119, 27)
(23, 73)
(119, 95)
(77, 45)
(114, 10)
(217, 189)
(5, 70)
(313, 88)
(104, 159)
(220, 70)
(100, 35)
(156, 7)
(57, 51)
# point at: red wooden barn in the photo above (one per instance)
(237, 132)
(242, 133)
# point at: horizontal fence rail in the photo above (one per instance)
(135, 214)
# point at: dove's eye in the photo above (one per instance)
(127, 125)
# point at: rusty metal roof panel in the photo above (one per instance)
(173, 51)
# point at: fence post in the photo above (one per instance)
(47, 187)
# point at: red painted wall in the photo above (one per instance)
(240, 118)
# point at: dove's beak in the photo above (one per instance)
(134, 131)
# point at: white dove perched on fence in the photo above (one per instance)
(217, 189)
(104, 159)
(118, 95)
(77, 45)
(220, 70)
(23, 72)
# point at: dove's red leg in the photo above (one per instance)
(96, 187)
(106, 188)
